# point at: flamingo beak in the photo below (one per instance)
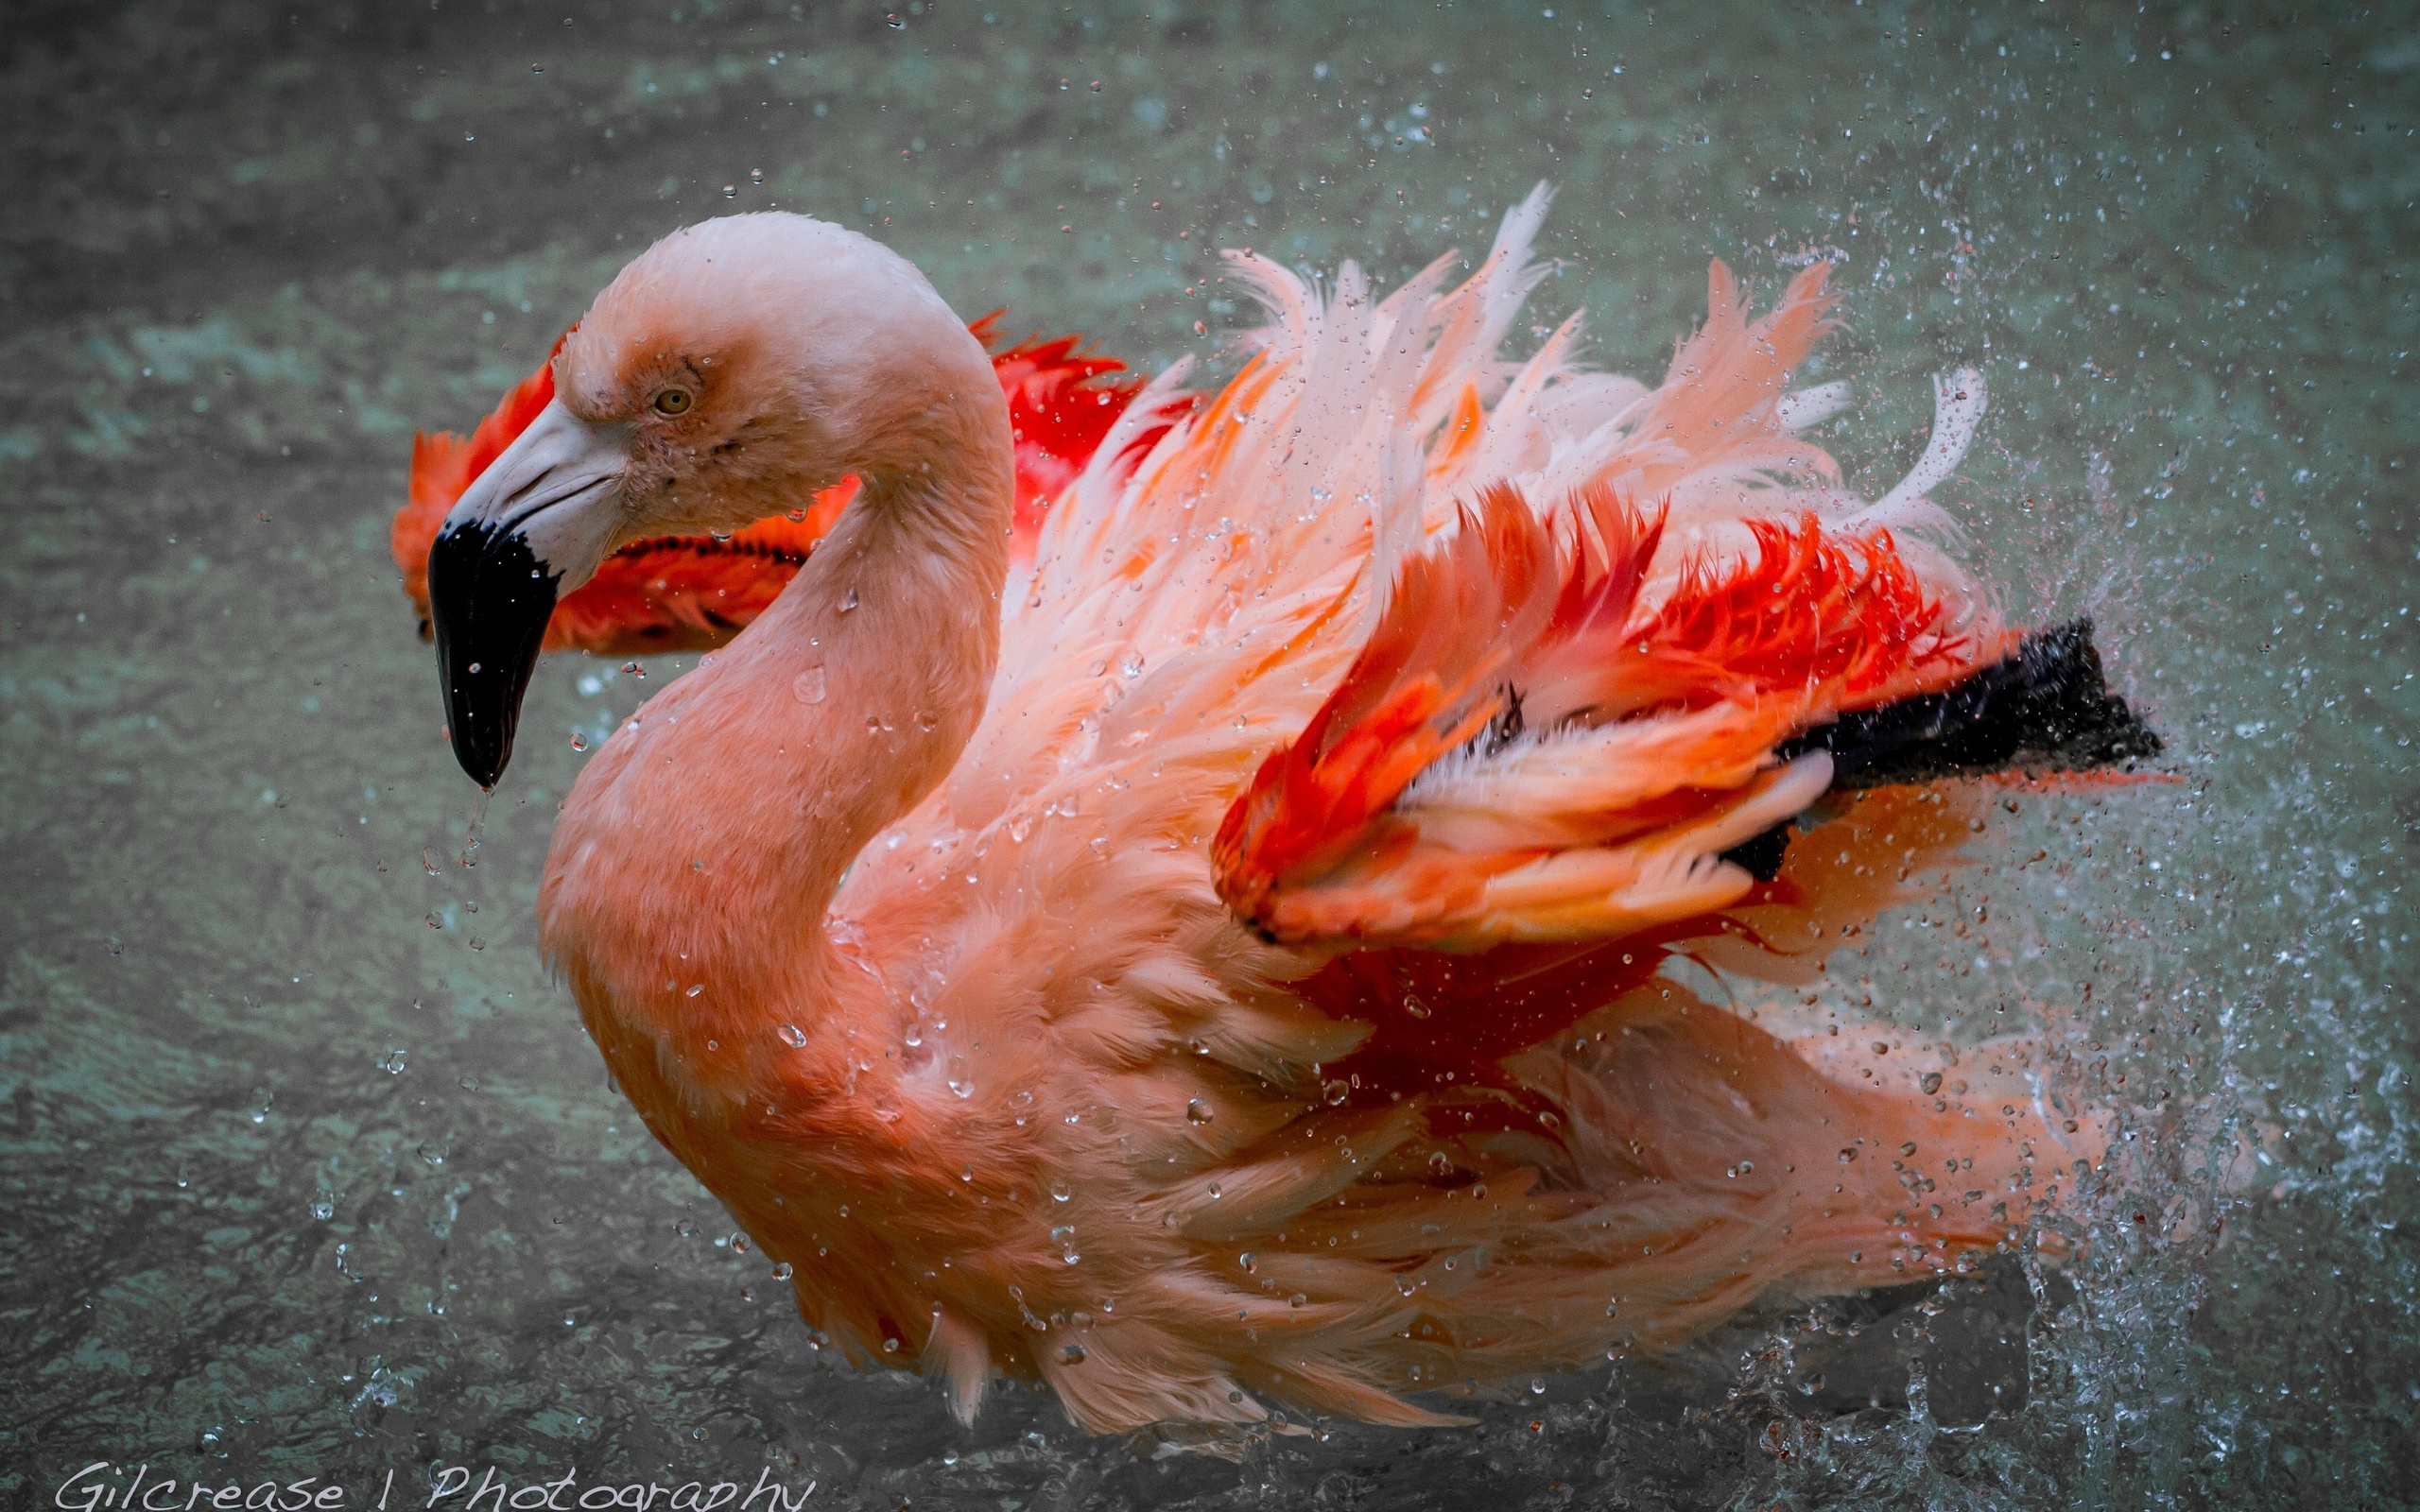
(531, 527)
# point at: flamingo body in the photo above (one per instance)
(1213, 961)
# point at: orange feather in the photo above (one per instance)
(1488, 635)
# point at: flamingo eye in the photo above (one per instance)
(674, 402)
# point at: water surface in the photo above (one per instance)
(309, 1168)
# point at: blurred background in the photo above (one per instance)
(310, 1170)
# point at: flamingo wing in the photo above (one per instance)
(1524, 751)
(695, 593)
(1475, 651)
(1364, 738)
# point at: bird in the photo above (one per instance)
(1243, 950)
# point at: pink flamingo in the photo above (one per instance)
(1214, 962)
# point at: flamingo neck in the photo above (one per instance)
(695, 859)
(882, 650)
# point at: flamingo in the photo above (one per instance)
(1214, 961)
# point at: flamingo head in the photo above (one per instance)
(727, 372)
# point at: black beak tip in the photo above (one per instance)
(489, 598)
(484, 767)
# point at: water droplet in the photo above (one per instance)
(848, 601)
(1197, 1111)
(470, 857)
(1847, 1155)
(782, 1271)
(432, 1155)
(1073, 1354)
(1248, 1261)
(1059, 1192)
(740, 1244)
(1296, 1300)
(927, 719)
(1335, 1093)
(1412, 1006)
(808, 687)
(1930, 1082)
(1537, 1385)
(1407, 1285)
(1131, 664)
(792, 1036)
(1097, 666)
(1215, 1193)
(324, 1204)
(469, 1084)
(392, 1063)
(579, 741)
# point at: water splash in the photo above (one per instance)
(470, 857)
